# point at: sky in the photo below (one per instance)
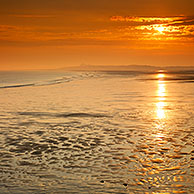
(47, 34)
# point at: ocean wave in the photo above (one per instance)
(44, 83)
(16, 86)
(63, 115)
(11, 80)
(181, 79)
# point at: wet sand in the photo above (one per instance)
(98, 135)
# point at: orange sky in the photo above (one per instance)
(58, 33)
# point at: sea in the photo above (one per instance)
(79, 132)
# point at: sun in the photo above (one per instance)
(160, 29)
(161, 75)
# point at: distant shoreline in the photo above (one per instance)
(146, 68)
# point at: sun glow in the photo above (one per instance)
(160, 29)
(161, 75)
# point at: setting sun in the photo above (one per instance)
(161, 75)
(160, 29)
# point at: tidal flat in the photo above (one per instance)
(97, 132)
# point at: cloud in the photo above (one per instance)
(150, 27)
(7, 27)
(126, 32)
(32, 16)
(144, 20)
(11, 35)
(151, 20)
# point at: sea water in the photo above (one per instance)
(97, 132)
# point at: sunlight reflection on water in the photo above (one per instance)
(161, 93)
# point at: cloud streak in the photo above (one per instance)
(163, 28)
(149, 20)
(31, 16)
(122, 31)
